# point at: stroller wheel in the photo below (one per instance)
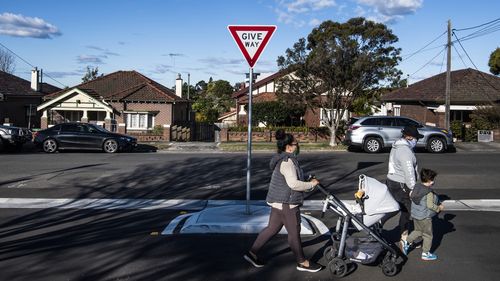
(389, 268)
(329, 253)
(338, 267)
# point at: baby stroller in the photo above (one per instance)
(374, 203)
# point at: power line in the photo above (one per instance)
(25, 61)
(473, 27)
(481, 32)
(442, 63)
(422, 49)
(460, 56)
(428, 62)
(480, 72)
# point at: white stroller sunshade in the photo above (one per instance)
(377, 200)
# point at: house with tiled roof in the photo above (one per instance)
(425, 100)
(19, 99)
(265, 90)
(123, 101)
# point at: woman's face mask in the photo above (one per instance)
(296, 151)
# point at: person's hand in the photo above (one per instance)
(441, 208)
(315, 182)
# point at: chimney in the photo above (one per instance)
(178, 86)
(35, 79)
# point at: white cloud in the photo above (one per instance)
(90, 59)
(22, 26)
(302, 6)
(314, 22)
(391, 10)
(289, 10)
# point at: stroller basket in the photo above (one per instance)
(363, 249)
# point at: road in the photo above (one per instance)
(76, 244)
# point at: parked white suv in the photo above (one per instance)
(14, 136)
(373, 133)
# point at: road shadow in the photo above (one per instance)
(441, 226)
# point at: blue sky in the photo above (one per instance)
(162, 38)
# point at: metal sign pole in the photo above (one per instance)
(249, 145)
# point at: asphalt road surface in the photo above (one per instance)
(75, 244)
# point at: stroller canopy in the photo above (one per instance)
(378, 200)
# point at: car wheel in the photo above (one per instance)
(373, 145)
(436, 145)
(110, 146)
(50, 145)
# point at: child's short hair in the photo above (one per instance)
(427, 175)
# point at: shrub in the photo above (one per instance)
(157, 130)
(457, 129)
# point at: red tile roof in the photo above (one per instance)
(467, 86)
(125, 86)
(260, 83)
(13, 85)
(261, 97)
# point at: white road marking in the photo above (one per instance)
(197, 204)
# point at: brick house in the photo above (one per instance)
(265, 90)
(123, 101)
(19, 99)
(425, 100)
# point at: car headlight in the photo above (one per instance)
(125, 138)
(445, 131)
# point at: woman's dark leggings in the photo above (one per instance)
(290, 218)
(401, 194)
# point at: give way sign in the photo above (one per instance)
(251, 39)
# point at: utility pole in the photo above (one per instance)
(448, 74)
(189, 76)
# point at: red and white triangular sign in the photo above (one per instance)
(251, 39)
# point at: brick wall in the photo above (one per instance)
(268, 136)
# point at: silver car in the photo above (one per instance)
(373, 133)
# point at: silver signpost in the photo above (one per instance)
(249, 144)
(251, 40)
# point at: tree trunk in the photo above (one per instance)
(333, 138)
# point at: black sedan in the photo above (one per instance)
(82, 136)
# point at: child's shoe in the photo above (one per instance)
(429, 256)
(405, 246)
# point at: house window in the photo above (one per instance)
(397, 110)
(140, 121)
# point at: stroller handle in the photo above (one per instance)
(321, 188)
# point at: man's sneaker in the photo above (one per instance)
(429, 256)
(405, 247)
(313, 267)
(254, 261)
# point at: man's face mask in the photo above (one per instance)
(412, 143)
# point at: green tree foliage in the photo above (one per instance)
(274, 113)
(494, 62)
(213, 101)
(341, 63)
(92, 73)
